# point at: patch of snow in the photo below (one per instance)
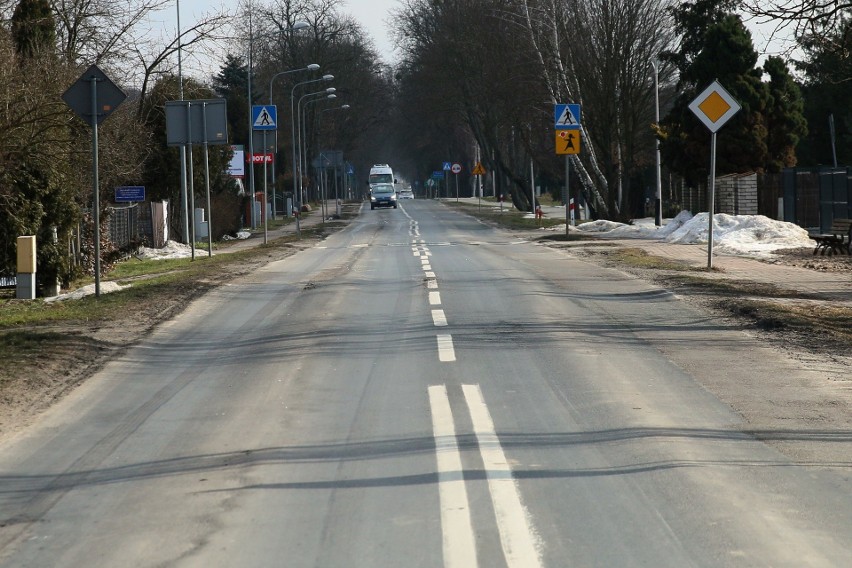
(171, 250)
(241, 235)
(739, 235)
(82, 292)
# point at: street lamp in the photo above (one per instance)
(295, 27)
(658, 197)
(319, 128)
(311, 67)
(301, 126)
(294, 128)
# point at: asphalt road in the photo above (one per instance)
(419, 390)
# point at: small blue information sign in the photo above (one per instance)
(129, 193)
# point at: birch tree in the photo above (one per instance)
(598, 53)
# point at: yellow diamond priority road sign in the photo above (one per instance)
(714, 106)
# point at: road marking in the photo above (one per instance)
(427, 267)
(459, 542)
(435, 298)
(429, 274)
(516, 531)
(446, 351)
(432, 284)
(439, 318)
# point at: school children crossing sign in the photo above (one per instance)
(567, 142)
(264, 117)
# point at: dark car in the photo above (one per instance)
(382, 195)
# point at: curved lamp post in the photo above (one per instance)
(311, 67)
(319, 127)
(294, 128)
(295, 27)
(303, 160)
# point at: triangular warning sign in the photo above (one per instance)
(567, 118)
(264, 118)
(478, 170)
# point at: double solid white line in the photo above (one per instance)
(517, 536)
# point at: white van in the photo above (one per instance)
(381, 173)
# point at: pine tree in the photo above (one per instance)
(827, 69)
(727, 55)
(34, 28)
(784, 116)
(231, 83)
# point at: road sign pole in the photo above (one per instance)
(96, 183)
(191, 177)
(566, 199)
(207, 182)
(263, 207)
(457, 188)
(532, 185)
(711, 198)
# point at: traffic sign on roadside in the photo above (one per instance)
(567, 117)
(447, 166)
(567, 141)
(107, 95)
(478, 170)
(456, 168)
(264, 117)
(714, 106)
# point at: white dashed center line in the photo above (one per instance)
(439, 318)
(446, 351)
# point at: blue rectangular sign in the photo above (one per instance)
(129, 193)
(264, 117)
(437, 175)
(566, 117)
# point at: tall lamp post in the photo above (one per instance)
(658, 196)
(311, 67)
(303, 154)
(296, 26)
(336, 198)
(294, 127)
(183, 194)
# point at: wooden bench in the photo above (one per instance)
(837, 240)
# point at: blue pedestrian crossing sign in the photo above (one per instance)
(567, 117)
(447, 166)
(264, 117)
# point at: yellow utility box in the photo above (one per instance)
(26, 255)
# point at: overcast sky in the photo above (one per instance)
(374, 16)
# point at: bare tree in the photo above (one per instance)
(599, 53)
(119, 36)
(816, 18)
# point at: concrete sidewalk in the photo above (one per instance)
(307, 220)
(833, 286)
